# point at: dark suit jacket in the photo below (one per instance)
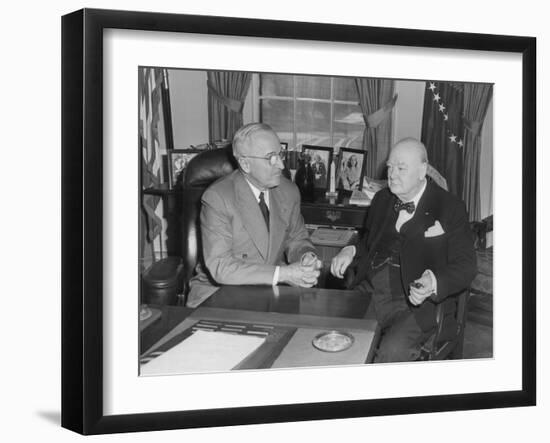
(237, 248)
(449, 256)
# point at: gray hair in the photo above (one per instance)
(245, 133)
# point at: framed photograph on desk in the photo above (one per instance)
(350, 169)
(102, 54)
(284, 150)
(177, 162)
(319, 160)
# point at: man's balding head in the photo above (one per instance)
(413, 145)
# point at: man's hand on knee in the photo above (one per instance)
(422, 288)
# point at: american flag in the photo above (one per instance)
(150, 83)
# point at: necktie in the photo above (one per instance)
(400, 206)
(264, 209)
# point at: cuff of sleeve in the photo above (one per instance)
(275, 276)
(351, 248)
(434, 281)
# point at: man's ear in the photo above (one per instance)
(245, 166)
(423, 170)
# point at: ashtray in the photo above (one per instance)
(144, 312)
(333, 341)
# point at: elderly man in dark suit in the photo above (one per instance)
(252, 229)
(417, 250)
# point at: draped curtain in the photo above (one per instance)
(476, 101)
(377, 100)
(226, 94)
(442, 131)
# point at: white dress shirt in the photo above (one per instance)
(257, 192)
(404, 216)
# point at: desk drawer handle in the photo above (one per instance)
(333, 215)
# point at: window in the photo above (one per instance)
(314, 110)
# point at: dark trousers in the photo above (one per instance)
(402, 338)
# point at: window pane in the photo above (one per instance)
(345, 89)
(313, 87)
(348, 126)
(274, 85)
(313, 123)
(279, 114)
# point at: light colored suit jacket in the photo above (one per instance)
(237, 247)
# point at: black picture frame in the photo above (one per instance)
(342, 158)
(175, 171)
(82, 236)
(320, 161)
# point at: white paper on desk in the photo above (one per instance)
(204, 351)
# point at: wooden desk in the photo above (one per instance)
(296, 312)
(321, 210)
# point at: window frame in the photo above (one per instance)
(257, 97)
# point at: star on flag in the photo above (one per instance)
(442, 108)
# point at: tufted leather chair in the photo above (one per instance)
(202, 170)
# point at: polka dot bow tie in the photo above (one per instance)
(400, 206)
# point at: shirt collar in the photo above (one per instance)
(257, 192)
(416, 198)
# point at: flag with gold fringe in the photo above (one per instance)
(150, 84)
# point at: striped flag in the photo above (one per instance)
(150, 83)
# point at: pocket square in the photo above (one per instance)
(435, 230)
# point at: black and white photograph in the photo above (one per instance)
(177, 162)
(238, 260)
(316, 160)
(350, 169)
(243, 290)
(284, 150)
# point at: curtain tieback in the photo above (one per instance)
(231, 103)
(473, 126)
(376, 118)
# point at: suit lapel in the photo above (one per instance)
(423, 216)
(389, 217)
(277, 224)
(251, 215)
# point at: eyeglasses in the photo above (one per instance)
(272, 157)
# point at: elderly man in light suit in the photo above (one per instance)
(252, 229)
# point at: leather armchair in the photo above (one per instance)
(203, 169)
(450, 347)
